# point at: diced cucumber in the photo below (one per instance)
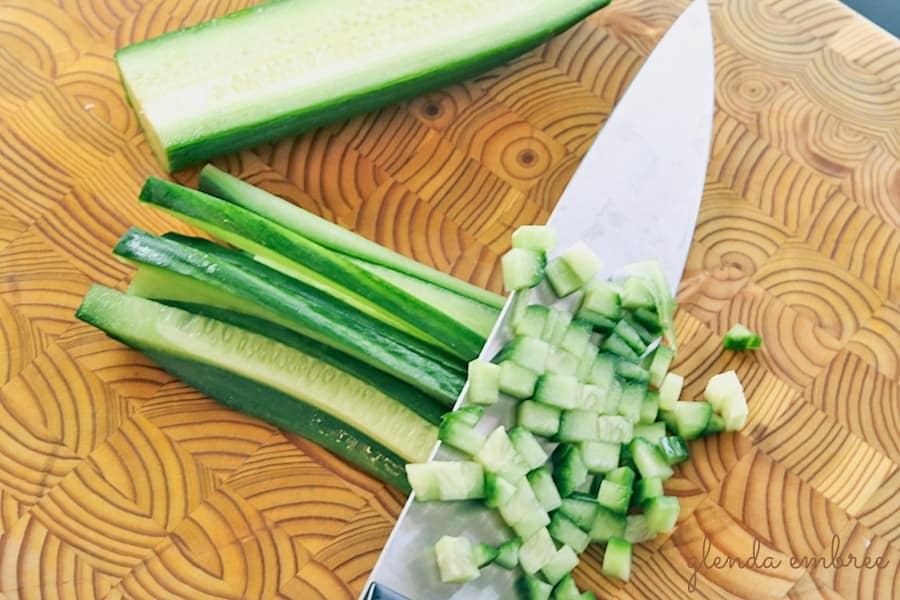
(534, 588)
(615, 344)
(468, 415)
(446, 480)
(580, 509)
(455, 560)
(614, 496)
(603, 370)
(607, 525)
(537, 238)
(522, 269)
(637, 530)
(649, 459)
(565, 531)
(670, 390)
(648, 318)
(544, 488)
(646, 335)
(586, 361)
(590, 397)
(561, 362)
(497, 490)
(646, 488)
(517, 381)
(632, 372)
(577, 337)
(735, 413)
(527, 351)
(569, 470)
(498, 455)
(674, 449)
(600, 457)
(617, 559)
(662, 359)
(563, 562)
(649, 408)
(523, 513)
(461, 436)
(508, 553)
(519, 305)
(537, 550)
(541, 419)
(614, 429)
(484, 382)
(623, 475)
(740, 337)
(632, 400)
(691, 418)
(721, 387)
(636, 294)
(566, 589)
(716, 425)
(662, 513)
(558, 321)
(529, 449)
(600, 303)
(613, 396)
(532, 322)
(562, 279)
(582, 261)
(577, 425)
(484, 554)
(630, 337)
(652, 432)
(560, 391)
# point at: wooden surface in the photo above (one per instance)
(118, 482)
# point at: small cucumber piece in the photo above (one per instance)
(580, 509)
(558, 321)
(614, 429)
(484, 382)
(536, 551)
(691, 418)
(532, 322)
(534, 588)
(582, 261)
(632, 372)
(607, 525)
(569, 470)
(652, 432)
(577, 425)
(600, 457)
(562, 362)
(716, 425)
(537, 238)
(498, 455)
(562, 279)
(649, 459)
(497, 490)
(603, 370)
(646, 488)
(455, 559)
(544, 488)
(740, 337)
(446, 480)
(637, 530)
(614, 496)
(540, 419)
(527, 351)
(721, 387)
(508, 553)
(600, 303)
(561, 564)
(529, 449)
(624, 475)
(630, 336)
(670, 390)
(674, 449)
(617, 559)
(484, 554)
(662, 513)
(649, 408)
(517, 381)
(632, 400)
(461, 436)
(560, 391)
(523, 512)
(662, 359)
(566, 589)
(565, 531)
(522, 269)
(577, 337)
(617, 345)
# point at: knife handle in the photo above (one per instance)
(379, 592)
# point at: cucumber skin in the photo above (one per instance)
(279, 409)
(216, 143)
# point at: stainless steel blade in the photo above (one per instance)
(635, 196)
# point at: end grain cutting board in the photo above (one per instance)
(118, 482)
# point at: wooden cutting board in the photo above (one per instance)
(117, 481)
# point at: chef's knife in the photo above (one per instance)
(635, 196)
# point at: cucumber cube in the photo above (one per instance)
(577, 337)
(622, 475)
(600, 300)
(484, 554)
(649, 459)
(569, 470)
(590, 397)
(614, 429)
(617, 559)
(508, 553)
(497, 490)
(662, 359)
(446, 480)
(631, 337)
(529, 449)
(618, 346)
(565, 531)
(670, 391)
(557, 390)
(537, 238)
(649, 487)
(532, 321)
(721, 387)
(645, 334)
(467, 415)
(577, 425)
(649, 408)
(534, 588)
(586, 361)
(662, 513)
(691, 418)
(652, 432)
(632, 372)
(498, 455)
(734, 412)
(455, 560)
(614, 496)
(580, 509)
(632, 401)
(607, 525)
(636, 294)
(530, 352)
(517, 381)
(523, 513)
(522, 269)
(603, 370)
(637, 530)
(647, 317)
(538, 418)
(716, 425)
(461, 436)
(484, 382)
(673, 449)
(566, 589)
(561, 362)
(536, 551)
(740, 337)
(582, 261)
(563, 280)
(600, 457)
(544, 488)
(563, 562)
(558, 321)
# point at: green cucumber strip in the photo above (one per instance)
(334, 237)
(218, 276)
(287, 66)
(308, 396)
(308, 261)
(424, 406)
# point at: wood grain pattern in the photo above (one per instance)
(117, 481)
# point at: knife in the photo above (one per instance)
(635, 196)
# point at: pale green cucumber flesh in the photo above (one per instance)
(292, 304)
(181, 339)
(316, 265)
(218, 183)
(290, 65)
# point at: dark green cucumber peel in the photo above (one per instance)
(207, 144)
(309, 311)
(247, 230)
(223, 185)
(393, 387)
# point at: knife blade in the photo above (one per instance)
(635, 196)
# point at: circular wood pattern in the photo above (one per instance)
(117, 481)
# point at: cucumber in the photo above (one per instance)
(532, 322)
(544, 489)
(537, 238)
(536, 551)
(565, 531)
(600, 457)
(286, 66)
(527, 447)
(662, 513)
(508, 553)
(229, 279)
(499, 456)
(446, 480)
(581, 509)
(561, 564)
(577, 426)
(670, 390)
(740, 337)
(522, 269)
(646, 488)
(302, 259)
(270, 380)
(456, 560)
(484, 382)
(365, 252)
(607, 525)
(617, 559)
(541, 419)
